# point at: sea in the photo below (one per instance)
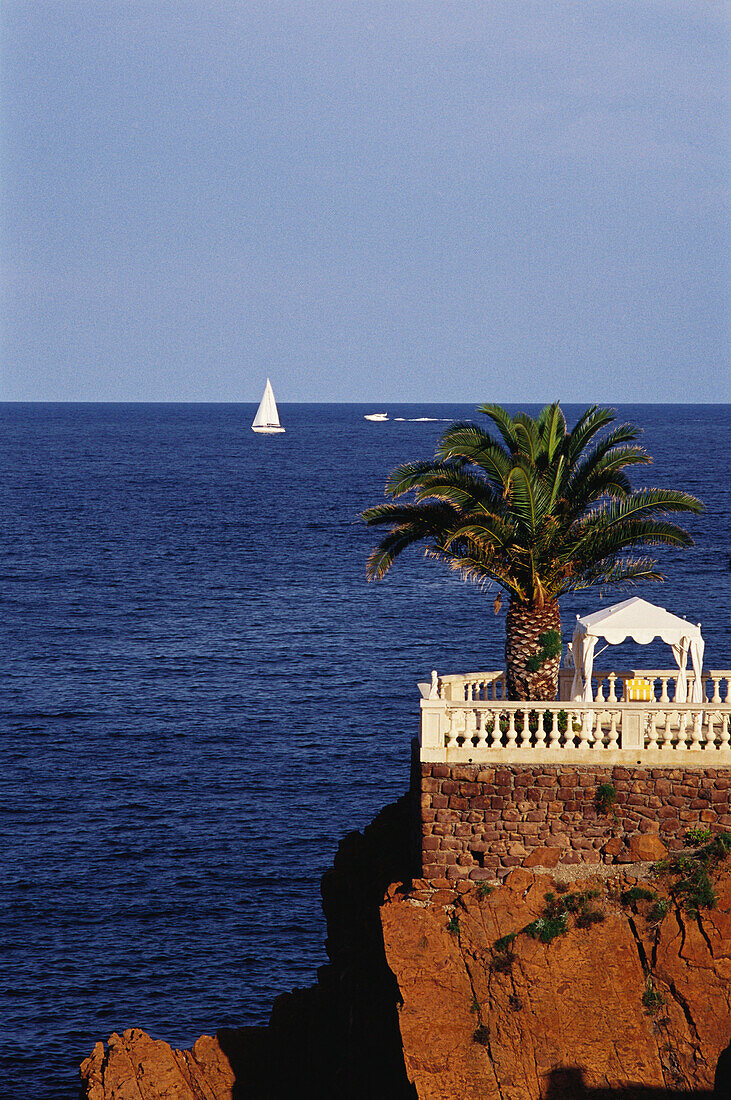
(201, 694)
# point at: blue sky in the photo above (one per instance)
(368, 202)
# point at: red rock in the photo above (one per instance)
(618, 1045)
(543, 857)
(519, 880)
(137, 1067)
(443, 897)
(647, 846)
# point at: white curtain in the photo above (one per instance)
(582, 651)
(577, 649)
(696, 656)
(680, 653)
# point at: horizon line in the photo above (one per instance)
(395, 401)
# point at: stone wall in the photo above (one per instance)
(478, 822)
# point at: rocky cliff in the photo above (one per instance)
(613, 985)
(630, 994)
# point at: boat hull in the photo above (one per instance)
(264, 429)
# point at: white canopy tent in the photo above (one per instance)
(642, 622)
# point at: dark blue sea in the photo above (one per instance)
(201, 694)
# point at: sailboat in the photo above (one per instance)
(267, 417)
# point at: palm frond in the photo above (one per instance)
(529, 498)
(411, 474)
(469, 443)
(641, 505)
(473, 566)
(589, 423)
(504, 423)
(483, 531)
(552, 427)
(461, 487)
(434, 517)
(528, 435)
(599, 545)
(623, 573)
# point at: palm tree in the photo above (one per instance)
(537, 510)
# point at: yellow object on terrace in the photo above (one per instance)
(638, 690)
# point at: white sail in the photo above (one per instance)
(267, 417)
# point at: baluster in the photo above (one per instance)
(710, 731)
(498, 730)
(667, 731)
(716, 689)
(728, 690)
(725, 736)
(611, 697)
(554, 738)
(682, 733)
(470, 728)
(451, 730)
(462, 727)
(511, 730)
(570, 734)
(613, 735)
(696, 736)
(664, 697)
(540, 732)
(469, 691)
(653, 733)
(525, 731)
(584, 732)
(599, 697)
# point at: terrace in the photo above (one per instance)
(466, 718)
(636, 716)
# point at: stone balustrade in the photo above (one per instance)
(466, 719)
(607, 686)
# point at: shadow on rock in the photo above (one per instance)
(567, 1083)
(339, 1038)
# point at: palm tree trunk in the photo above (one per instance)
(524, 625)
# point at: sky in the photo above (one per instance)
(428, 201)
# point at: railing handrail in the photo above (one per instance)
(454, 677)
(572, 705)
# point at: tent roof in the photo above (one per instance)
(636, 619)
